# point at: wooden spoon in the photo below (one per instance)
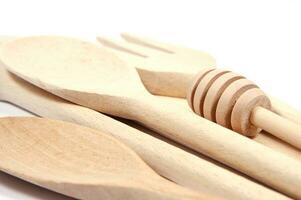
(88, 75)
(184, 168)
(79, 162)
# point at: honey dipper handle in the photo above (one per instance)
(285, 110)
(276, 125)
(262, 163)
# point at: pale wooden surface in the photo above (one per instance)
(155, 53)
(230, 100)
(264, 137)
(124, 95)
(271, 141)
(278, 126)
(285, 110)
(223, 97)
(80, 162)
(160, 55)
(147, 54)
(168, 72)
(177, 165)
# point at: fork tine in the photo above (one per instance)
(146, 42)
(118, 47)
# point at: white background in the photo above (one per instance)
(259, 39)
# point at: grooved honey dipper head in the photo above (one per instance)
(227, 99)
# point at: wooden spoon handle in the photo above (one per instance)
(168, 160)
(260, 162)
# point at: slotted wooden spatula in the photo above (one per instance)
(168, 69)
(165, 69)
(79, 162)
(89, 75)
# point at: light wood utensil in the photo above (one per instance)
(285, 110)
(88, 75)
(279, 145)
(148, 55)
(165, 70)
(215, 90)
(168, 70)
(79, 162)
(169, 161)
(264, 137)
(236, 103)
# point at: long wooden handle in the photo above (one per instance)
(169, 161)
(277, 144)
(262, 163)
(280, 127)
(264, 138)
(285, 110)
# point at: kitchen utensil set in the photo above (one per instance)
(180, 166)
(95, 77)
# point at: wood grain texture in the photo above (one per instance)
(235, 103)
(286, 111)
(79, 162)
(164, 69)
(85, 74)
(264, 137)
(277, 144)
(278, 126)
(171, 162)
(147, 55)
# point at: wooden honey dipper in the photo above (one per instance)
(237, 103)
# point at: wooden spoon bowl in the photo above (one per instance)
(79, 162)
(81, 61)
